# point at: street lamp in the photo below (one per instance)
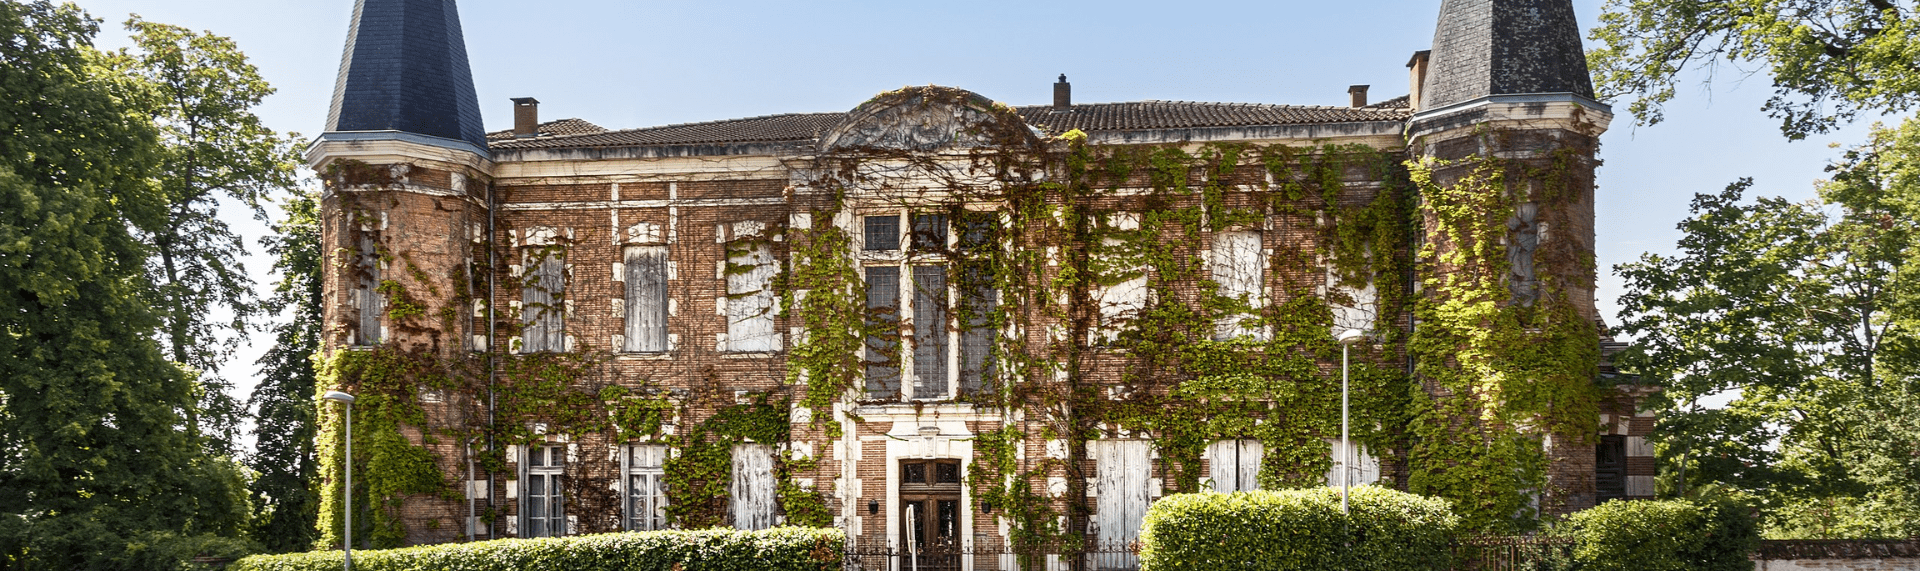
(347, 490)
(1347, 339)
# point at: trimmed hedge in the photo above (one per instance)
(778, 549)
(1663, 535)
(1298, 529)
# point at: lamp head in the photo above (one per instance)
(338, 396)
(1350, 336)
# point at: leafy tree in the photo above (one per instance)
(1791, 305)
(200, 91)
(283, 407)
(95, 469)
(1830, 60)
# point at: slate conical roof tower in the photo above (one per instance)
(1485, 48)
(407, 175)
(404, 71)
(1507, 117)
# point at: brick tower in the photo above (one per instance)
(1504, 113)
(404, 214)
(405, 164)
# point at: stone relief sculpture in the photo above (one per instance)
(920, 119)
(1523, 229)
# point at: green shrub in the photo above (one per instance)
(779, 549)
(1297, 529)
(1665, 535)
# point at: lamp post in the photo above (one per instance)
(1347, 339)
(347, 490)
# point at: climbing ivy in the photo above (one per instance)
(1460, 408)
(1505, 377)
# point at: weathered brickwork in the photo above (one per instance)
(523, 251)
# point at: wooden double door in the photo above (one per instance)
(930, 515)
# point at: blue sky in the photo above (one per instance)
(635, 64)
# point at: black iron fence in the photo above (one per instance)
(988, 555)
(1512, 553)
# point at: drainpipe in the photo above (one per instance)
(493, 483)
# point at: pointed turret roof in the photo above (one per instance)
(1505, 47)
(405, 70)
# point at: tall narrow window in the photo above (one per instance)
(1121, 469)
(1353, 307)
(883, 344)
(1239, 268)
(930, 333)
(1235, 465)
(882, 233)
(646, 493)
(369, 300)
(543, 306)
(543, 508)
(1610, 468)
(646, 278)
(750, 272)
(752, 490)
(1121, 302)
(979, 299)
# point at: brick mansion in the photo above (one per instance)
(937, 320)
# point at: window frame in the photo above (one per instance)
(633, 292)
(554, 478)
(910, 256)
(632, 467)
(774, 341)
(556, 304)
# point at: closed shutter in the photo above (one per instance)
(646, 278)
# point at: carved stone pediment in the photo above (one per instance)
(929, 118)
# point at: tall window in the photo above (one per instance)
(928, 282)
(979, 237)
(752, 490)
(367, 297)
(1353, 307)
(930, 333)
(1121, 469)
(1239, 268)
(544, 505)
(543, 307)
(646, 493)
(1235, 465)
(750, 270)
(646, 269)
(883, 344)
(1122, 301)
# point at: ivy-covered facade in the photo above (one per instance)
(941, 320)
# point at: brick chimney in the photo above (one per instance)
(526, 116)
(1358, 94)
(1417, 78)
(1062, 95)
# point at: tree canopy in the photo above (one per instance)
(200, 91)
(1830, 60)
(97, 470)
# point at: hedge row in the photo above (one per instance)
(1663, 535)
(1298, 529)
(779, 549)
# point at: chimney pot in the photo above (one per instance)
(526, 116)
(1063, 95)
(1359, 95)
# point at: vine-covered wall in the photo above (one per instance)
(1470, 405)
